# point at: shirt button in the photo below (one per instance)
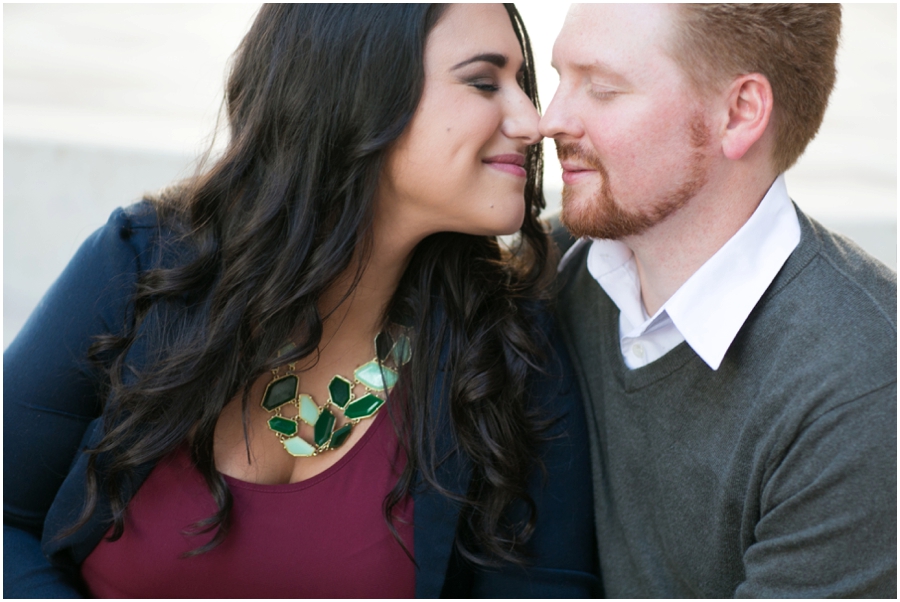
(638, 350)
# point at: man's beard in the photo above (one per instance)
(603, 217)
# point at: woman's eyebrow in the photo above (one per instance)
(495, 59)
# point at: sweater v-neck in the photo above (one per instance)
(606, 332)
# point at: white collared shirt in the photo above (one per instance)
(712, 305)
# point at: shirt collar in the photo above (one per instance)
(712, 305)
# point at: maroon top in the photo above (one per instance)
(324, 537)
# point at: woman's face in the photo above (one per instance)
(458, 165)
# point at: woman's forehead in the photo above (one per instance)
(466, 30)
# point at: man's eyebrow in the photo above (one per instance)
(494, 59)
(598, 67)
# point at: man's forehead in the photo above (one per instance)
(598, 29)
(649, 15)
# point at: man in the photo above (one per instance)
(737, 359)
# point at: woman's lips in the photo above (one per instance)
(512, 163)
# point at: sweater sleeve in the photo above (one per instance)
(828, 524)
(51, 392)
(562, 549)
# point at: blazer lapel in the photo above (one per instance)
(70, 499)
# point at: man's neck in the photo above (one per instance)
(668, 254)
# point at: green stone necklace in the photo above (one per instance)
(375, 376)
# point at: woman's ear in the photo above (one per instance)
(749, 104)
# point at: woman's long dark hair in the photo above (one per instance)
(316, 96)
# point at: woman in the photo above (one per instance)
(313, 373)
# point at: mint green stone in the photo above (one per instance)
(340, 389)
(285, 426)
(309, 411)
(363, 407)
(280, 391)
(322, 431)
(298, 447)
(376, 377)
(402, 351)
(339, 436)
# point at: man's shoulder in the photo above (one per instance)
(856, 273)
(582, 306)
(827, 324)
(571, 252)
(576, 289)
(838, 284)
(560, 235)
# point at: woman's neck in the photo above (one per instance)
(360, 309)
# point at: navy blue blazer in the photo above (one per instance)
(52, 403)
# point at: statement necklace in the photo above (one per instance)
(375, 376)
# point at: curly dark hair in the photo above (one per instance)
(275, 221)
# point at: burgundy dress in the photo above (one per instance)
(324, 537)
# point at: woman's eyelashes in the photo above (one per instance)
(484, 84)
(491, 84)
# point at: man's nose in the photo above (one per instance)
(559, 119)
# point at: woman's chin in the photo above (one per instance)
(507, 220)
(498, 220)
(513, 226)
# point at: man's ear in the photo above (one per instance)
(749, 102)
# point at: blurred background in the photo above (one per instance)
(104, 102)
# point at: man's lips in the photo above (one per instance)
(574, 172)
(512, 163)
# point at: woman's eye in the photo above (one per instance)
(485, 85)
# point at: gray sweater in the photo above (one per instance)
(773, 476)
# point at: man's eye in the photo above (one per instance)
(602, 93)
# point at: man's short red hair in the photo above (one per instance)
(793, 45)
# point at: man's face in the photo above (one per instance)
(630, 131)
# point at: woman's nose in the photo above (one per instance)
(522, 119)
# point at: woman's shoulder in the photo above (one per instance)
(134, 235)
(138, 223)
(544, 316)
(548, 339)
(143, 215)
(553, 385)
(101, 276)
